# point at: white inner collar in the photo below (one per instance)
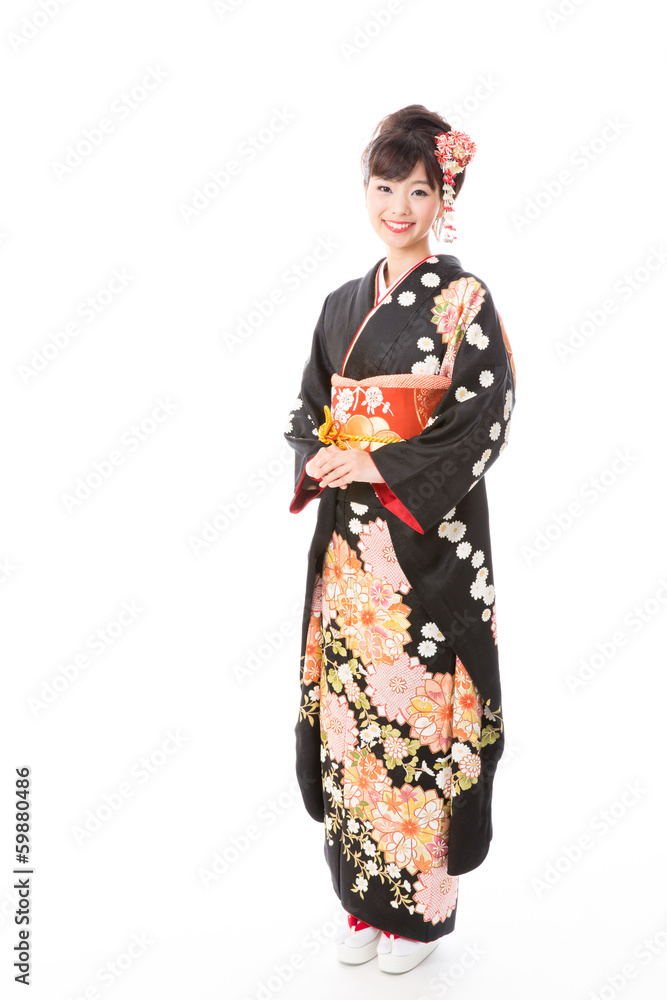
(382, 285)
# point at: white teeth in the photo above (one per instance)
(398, 225)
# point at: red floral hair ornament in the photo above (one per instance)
(454, 150)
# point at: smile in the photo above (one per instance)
(397, 227)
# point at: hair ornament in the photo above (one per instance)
(454, 150)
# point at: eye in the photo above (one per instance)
(420, 191)
(381, 186)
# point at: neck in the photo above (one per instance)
(399, 259)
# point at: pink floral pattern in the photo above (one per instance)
(379, 627)
(390, 826)
(431, 712)
(436, 892)
(377, 551)
(371, 615)
(392, 686)
(339, 724)
(455, 308)
(365, 781)
(468, 707)
(409, 825)
(312, 666)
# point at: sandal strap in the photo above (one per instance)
(356, 924)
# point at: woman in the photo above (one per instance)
(405, 403)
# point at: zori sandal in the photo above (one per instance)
(361, 943)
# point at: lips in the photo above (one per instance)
(398, 227)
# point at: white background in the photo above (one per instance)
(536, 90)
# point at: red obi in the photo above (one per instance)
(381, 409)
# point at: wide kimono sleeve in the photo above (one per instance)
(308, 414)
(301, 433)
(427, 475)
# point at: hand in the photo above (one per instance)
(337, 467)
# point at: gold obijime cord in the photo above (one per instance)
(330, 433)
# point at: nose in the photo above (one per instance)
(401, 206)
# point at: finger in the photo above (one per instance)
(331, 468)
(338, 481)
(337, 473)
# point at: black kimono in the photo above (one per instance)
(400, 725)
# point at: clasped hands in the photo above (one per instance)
(335, 466)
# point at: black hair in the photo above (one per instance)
(401, 140)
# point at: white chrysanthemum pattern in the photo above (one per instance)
(462, 394)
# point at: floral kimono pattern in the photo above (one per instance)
(400, 724)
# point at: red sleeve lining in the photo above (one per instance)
(302, 496)
(388, 499)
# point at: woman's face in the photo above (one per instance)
(402, 212)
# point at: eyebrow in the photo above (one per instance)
(426, 183)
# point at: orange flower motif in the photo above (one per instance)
(409, 825)
(312, 665)
(378, 627)
(455, 308)
(431, 713)
(347, 613)
(467, 706)
(339, 567)
(364, 782)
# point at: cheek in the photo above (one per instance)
(373, 205)
(427, 209)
